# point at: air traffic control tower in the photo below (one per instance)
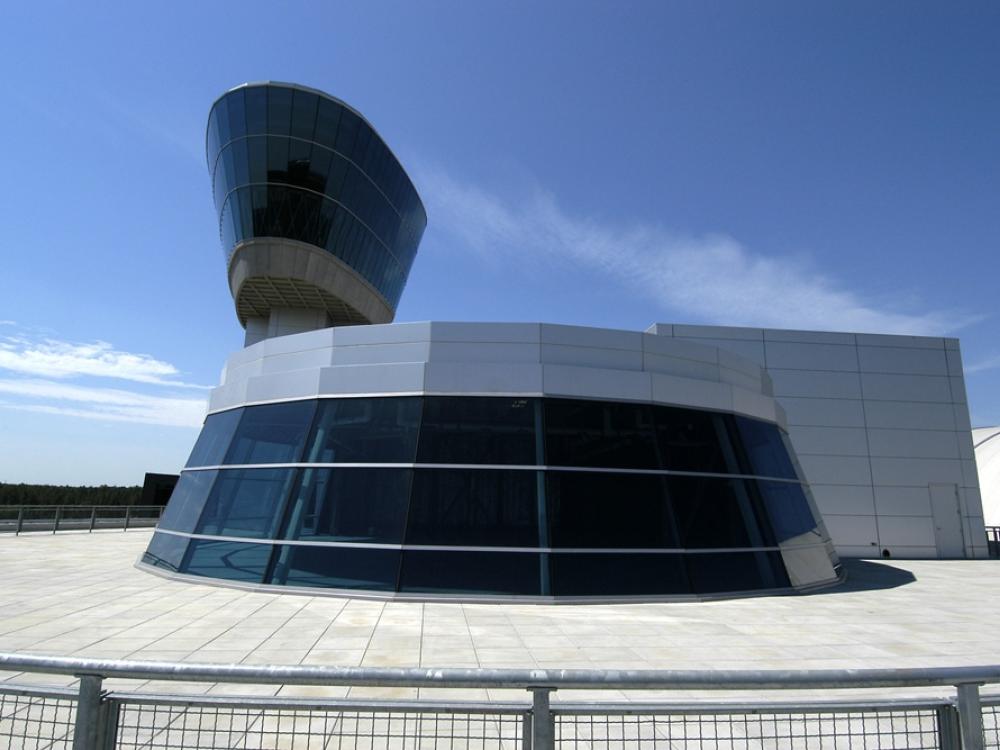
(319, 221)
(484, 461)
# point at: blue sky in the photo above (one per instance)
(786, 164)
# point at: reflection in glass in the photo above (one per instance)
(473, 507)
(232, 561)
(477, 430)
(788, 509)
(165, 551)
(350, 505)
(374, 430)
(717, 513)
(336, 567)
(246, 502)
(215, 438)
(273, 433)
(187, 500)
(765, 450)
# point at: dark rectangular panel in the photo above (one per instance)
(470, 572)
(765, 450)
(165, 551)
(349, 505)
(187, 500)
(246, 502)
(304, 105)
(375, 430)
(337, 567)
(692, 440)
(714, 573)
(599, 434)
(715, 512)
(255, 103)
(273, 433)
(473, 507)
(279, 110)
(233, 561)
(213, 442)
(237, 117)
(477, 430)
(787, 508)
(617, 574)
(605, 510)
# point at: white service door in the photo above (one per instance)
(947, 520)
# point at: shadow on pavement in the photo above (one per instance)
(868, 575)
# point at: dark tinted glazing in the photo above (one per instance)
(232, 561)
(788, 508)
(766, 452)
(351, 430)
(599, 434)
(611, 575)
(470, 572)
(712, 573)
(269, 434)
(608, 510)
(477, 430)
(214, 439)
(246, 502)
(475, 507)
(166, 551)
(712, 512)
(691, 440)
(349, 505)
(337, 567)
(187, 500)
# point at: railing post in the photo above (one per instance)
(55, 520)
(543, 730)
(88, 713)
(20, 521)
(970, 716)
(93, 517)
(949, 734)
(128, 513)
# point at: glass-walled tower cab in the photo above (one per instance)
(319, 222)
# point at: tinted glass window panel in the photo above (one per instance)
(611, 574)
(222, 118)
(215, 438)
(788, 509)
(279, 110)
(187, 500)
(327, 120)
(255, 105)
(369, 430)
(713, 573)
(165, 551)
(257, 155)
(337, 567)
(233, 561)
(765, 450)
(274, 433)
(473, 507)
(691, 440)
(246, 502)
(303, 114)
(474, 430)
(713, 512)
(599, 434)
(608, 510)
(237, 117)
(507, 573)
(350, 505)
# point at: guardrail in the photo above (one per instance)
(17, 519)
(89, 718)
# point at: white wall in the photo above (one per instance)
(874, 419)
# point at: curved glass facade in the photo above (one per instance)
(288, 162)
(487, 496)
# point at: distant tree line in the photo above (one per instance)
(50, 494)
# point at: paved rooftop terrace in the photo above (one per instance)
(77, 594)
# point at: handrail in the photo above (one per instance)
(555, 679)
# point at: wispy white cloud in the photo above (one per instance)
(107, 404)
(711, 278)
(990, 363)
(52, 358)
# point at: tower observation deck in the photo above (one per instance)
(318, 220)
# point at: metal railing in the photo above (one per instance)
(90, 718)
(17, 519)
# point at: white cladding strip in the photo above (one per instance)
(516, 359)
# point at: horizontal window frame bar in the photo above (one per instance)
(487, 549)
(491, 467)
